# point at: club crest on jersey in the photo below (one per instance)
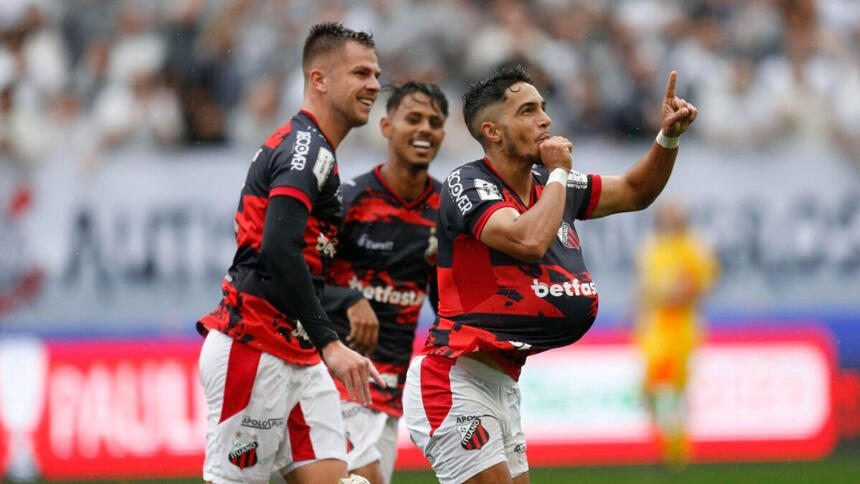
(567, 236)
(577, 180)
(432, 251)
(323, 166)
(487, 190)
(324, 246)
(243, 454)
(473, 435)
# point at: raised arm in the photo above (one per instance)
(527, 236)
(640, 185)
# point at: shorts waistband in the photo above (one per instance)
(484, 372)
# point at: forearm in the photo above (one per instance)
(649, 175)
(336, 299)
(291, 288)
(528, 235)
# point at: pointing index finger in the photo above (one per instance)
(670, 86)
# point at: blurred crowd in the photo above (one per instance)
(88, 77)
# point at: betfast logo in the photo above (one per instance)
(455, 188)
(567, 288)
(300, 150)
(387, 294)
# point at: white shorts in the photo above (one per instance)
(371, 436)
(265, 415)
(464, 416)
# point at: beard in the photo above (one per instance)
(512, 151)
(351, 118)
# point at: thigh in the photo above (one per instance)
(454, 420)
(363, 428)
(314, 424)
(318, 472)
(514, 437)
(246, 398)
(387, 446)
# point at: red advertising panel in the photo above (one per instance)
(131, 409)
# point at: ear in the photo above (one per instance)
(317, 80)
(491, 131)
(385, 126)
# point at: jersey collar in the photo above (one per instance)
(420, 198)
(314, 121)
(532, 196)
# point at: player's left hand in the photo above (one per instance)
(678, 114)
(363, 327)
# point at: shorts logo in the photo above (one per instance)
(567, 236)
(243, 454)
(520, 448)
(262, 424)
(486, 190)
(473, 435)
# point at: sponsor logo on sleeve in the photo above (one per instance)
(487, 190)
(323, 166)
(577, 180)
(300, 150)
(455, 188)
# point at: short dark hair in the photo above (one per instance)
(329, 36)
(437, 97)
(489, 91)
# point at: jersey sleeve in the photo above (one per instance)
(583, 193)
(301, 166)
(468, 200)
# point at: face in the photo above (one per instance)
(523, 122)
(353, 82)
(414, 130)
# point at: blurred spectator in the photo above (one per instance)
(675, 270)
(601, 62)
(258, 116)
(736, 113)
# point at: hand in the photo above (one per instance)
(677, 113)
(363, 327)
(353, 370)
(555, 152)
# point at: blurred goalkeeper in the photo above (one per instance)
(675, 270)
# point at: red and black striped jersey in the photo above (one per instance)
(386, 252)
(298, 161)
(490, 301)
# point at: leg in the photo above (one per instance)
(497, 474)
(325, 471)
(364, 428)
(387, 446)
(372, 472)
(455, 415)
(246, 407)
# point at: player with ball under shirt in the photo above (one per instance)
(511, 275)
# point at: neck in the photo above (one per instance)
(516, 172)
(408, 181)
(329, 121)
